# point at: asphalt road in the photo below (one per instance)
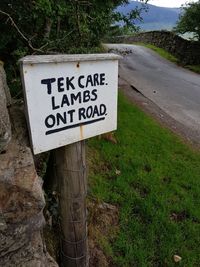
(174, 89)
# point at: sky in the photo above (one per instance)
(169, 3)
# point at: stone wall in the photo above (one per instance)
(21, 195)
(5, 101)
(187, 52)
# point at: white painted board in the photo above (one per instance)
(69, 97)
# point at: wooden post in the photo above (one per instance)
(71, 175)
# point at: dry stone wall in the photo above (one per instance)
(21, 195)
(5, 101)
(187, 52)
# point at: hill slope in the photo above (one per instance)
(156, 18)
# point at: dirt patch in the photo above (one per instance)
(140, 189)
(179, 216)
(186, 134)
(167, 180)
(102, 230)
(147, 168)
(103, 226)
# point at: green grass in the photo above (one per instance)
(163, 53)
(157, 192)
(195, 68)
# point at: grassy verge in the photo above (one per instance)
(154, 180)
(195, 68)
(163, 53)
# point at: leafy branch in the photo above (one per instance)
(21, 34)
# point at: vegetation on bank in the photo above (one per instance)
(153, 178)
(160, 51)
(163, 53)
(195, 68)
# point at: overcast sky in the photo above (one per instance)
(169, 3)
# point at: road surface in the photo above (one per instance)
(174, 89)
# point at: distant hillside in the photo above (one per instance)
(156, 18)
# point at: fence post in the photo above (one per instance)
(72, 186)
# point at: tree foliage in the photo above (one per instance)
(54, 26)
(47, 26)
(189, 21)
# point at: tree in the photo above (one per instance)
(189, 21)
(45, 26)
(53, 26)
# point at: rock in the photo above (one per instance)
(21, 202)
(177, 258)
(5, 126)
(5, 85)
(117, 172)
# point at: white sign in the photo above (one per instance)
(69, 97)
